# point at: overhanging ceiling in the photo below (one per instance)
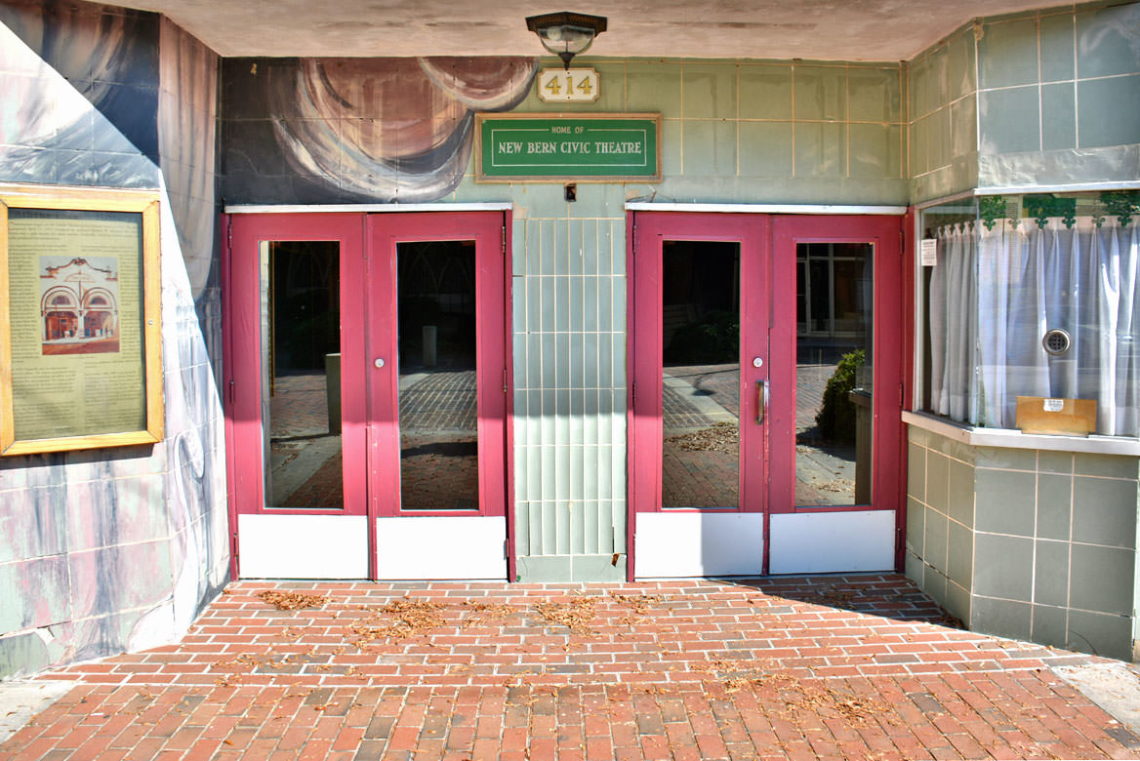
(847, 30)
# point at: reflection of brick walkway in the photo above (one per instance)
(438, 401)
(699, 479)
(299, 406)
(439, 472)
(836, 667)
(439, 467)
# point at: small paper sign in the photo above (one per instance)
(1054, 405)
(929, 251)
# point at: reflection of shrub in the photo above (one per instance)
(714, 339)
(836, 418)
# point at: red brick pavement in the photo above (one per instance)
(823, 667)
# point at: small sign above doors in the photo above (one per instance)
(568, 85)
(554, 148)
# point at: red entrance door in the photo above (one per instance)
(367, 381)
(765, 358)
(437, 364)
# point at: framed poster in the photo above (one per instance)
(80, 322)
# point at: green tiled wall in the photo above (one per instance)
(1023, 543)
(942, 95)
(732, 131)
(1056, 95)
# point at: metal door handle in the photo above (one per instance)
(761, 400)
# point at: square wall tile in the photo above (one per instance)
(961, 75)
(820, 92)
(1005, 501)
(1054, 505)
(1003, 566)
(1106, 41)
(1008, 53)
(765, 149)
(960, 559)
(875, 150)
(915, 521)
(1106, 635)
(1001, 617)
(963, 127)
(935, 540)
(1050, 626)
(671, 148)
(765, 92)
(1057, 35)
(1051, 574)
(1054, 462)
(1010, 120)
(938, 142)
(960, 497)
(1006, 458)
(1102, 579)
(1104, 511)
(937, 480)
(1108, 96)
(654, 88)
(708, 91)
(709, 148)
(821, 150)
(873, 95)
(1110, 466)
(916, 472)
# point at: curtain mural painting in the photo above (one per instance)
(321, 130)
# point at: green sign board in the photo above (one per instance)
(521, 147)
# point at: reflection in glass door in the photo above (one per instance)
(700, 385)
(834, 353)
(301, 374)
(438, 379)
(699, 351)
(439, 449)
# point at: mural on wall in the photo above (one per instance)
(187, 131)
(112, 550)
(320, 130)
(101, 57)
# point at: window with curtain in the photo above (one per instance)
(1023, 267)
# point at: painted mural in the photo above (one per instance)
(118, 549)
(94, 123)
(322, 130)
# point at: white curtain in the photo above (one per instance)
(996, 292)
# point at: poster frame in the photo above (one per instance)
(146, 205)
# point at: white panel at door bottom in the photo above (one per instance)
(442, 547)
(699, 544)
(303, 546)
(832, 542)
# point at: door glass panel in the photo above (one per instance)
(833, 374)
(701, 374)
(439, 462)
(300, 339)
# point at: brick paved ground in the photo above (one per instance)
(800, 668)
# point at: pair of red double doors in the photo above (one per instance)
(738, 323)
(366, 364)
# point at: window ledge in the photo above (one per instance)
(1014, 439)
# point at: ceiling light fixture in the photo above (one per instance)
(566, 34)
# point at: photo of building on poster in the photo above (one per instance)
(79, 305)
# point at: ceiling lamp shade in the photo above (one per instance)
(566, 34)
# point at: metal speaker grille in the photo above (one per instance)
(1056, 342)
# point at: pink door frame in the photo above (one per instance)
(768, 331)
(370, 433)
